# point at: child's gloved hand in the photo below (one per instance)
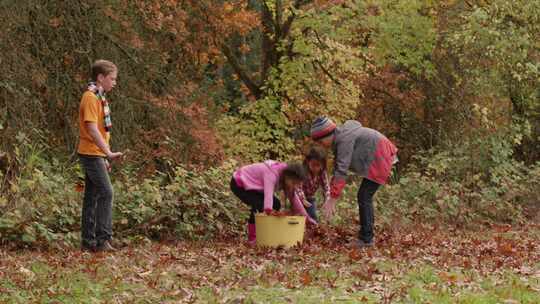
(312, 222)
(268, 211)
(329, 207)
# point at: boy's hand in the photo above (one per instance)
(114, 155)
(268, 211)
(307, 204)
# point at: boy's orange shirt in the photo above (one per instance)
(91, 110)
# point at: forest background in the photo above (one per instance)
(206, 86)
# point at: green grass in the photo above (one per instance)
(457, 287)
(41, 283)
(434, 270)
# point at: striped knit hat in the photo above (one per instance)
(321, 127)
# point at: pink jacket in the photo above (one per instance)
(262, 177)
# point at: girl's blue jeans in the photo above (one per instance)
(312, 210)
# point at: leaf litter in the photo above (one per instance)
(230, 271)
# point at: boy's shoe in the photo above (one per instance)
(363, 244)
(105, 246)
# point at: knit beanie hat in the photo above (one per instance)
(321, 127)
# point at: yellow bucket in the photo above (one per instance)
(274, 231)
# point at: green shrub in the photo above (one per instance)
(41, 204)
(476, 180)
(193, 204)
(260, 131)
(39, 201)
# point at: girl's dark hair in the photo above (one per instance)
(316, 153)
(294, 170)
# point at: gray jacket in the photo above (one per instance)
(354, 148)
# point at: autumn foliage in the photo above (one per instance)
(205, 84)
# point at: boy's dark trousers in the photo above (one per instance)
(365, 209)
(96, 219)
(254, 199)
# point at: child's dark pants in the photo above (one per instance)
(96, 220)
(365, 208)
(253, 198)
(312, 210)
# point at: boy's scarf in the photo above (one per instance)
(92, 87)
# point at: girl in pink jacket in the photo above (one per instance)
(256, 184)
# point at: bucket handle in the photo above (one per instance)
(293, 223)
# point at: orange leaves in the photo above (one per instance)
(448, 277)
(79, 187)
(390, 96)
(305, 278)
(228, 7)
(68, 59)
(231, 17)
(109, 12)
(506, 249)
(355, 255)
(153, 15)
(136, 41)
(56, 22)
(168, 16)
(244, 48)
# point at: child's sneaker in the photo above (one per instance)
(363, 244)
(87, 247)
(105, 246)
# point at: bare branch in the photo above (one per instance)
(254, 89)
(327, 73)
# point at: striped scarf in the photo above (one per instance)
(92, 87)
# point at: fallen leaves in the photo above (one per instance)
(182, 271)
(305, 278)
(27, 273)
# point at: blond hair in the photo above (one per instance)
(102, 66)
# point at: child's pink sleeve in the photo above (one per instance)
(269, 185)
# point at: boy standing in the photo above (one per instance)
(366, 152)
(94, 154)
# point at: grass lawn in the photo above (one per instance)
(422, 264)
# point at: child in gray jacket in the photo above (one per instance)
(366, 152)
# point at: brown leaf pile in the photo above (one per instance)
(178, 270)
